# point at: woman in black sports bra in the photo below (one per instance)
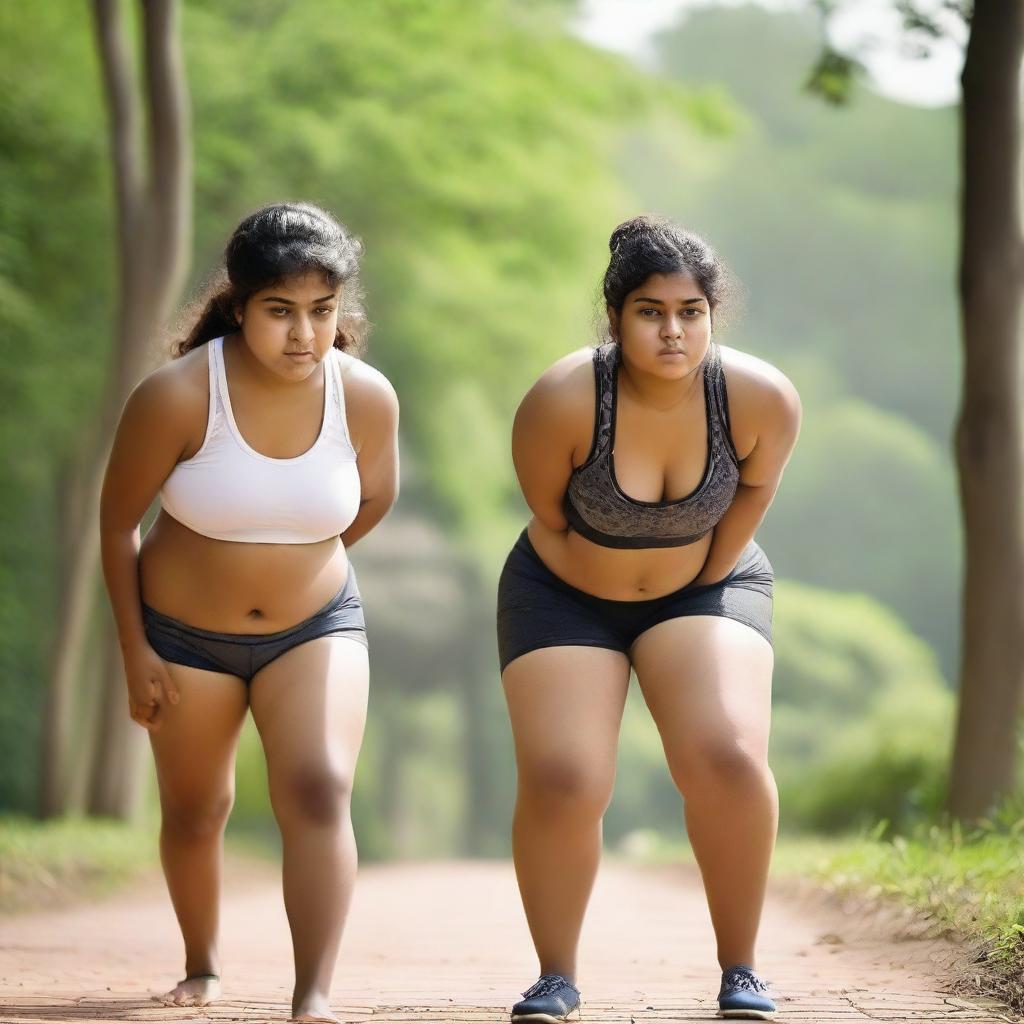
(648, 464)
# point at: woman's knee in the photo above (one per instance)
(563, 787)
(195, 817)
(316, 794)
(720, 764)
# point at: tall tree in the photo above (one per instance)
(989, 435)
(152, 180)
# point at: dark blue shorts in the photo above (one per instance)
(538, 609)
(244, 654)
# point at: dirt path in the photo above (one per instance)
(447, 942)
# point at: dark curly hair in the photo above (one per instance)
(649, 245)
(276, 242)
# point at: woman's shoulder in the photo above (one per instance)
(760, 397)
(750, 380)
(367, 391)
(363, 380)
(558, 409)
(179, 387)
(567, 384)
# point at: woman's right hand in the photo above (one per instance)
(149, 686)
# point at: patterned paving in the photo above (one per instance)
(446, 942)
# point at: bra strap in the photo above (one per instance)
(606, 365)
(720, 397)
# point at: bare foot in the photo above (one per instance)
(314, 1009)
(199, 991)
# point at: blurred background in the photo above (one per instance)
(484, 151)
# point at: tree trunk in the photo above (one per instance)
(118, 770)
(988, 433)
(154, 219)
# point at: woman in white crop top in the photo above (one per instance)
(273, 449)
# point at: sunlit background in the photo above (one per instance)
(484, 151)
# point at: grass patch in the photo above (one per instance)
(50, 863)
(45, 864)
(969, 882)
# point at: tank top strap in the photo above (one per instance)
(337, 406)
(211, 369)
(332, 380)
(213, 418)
(215, 361)
(218, 378)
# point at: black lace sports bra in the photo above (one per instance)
(598, 509)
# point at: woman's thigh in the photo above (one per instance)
(565, 705)
(707, 681)
(309, 706)
(195, 747)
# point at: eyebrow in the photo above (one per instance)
(290, 302)
(685, 302)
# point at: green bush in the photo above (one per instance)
(868, 504)
(862, 714)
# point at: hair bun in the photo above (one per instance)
(629, 231)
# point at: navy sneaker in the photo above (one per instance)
(744, 994)
(552, 999)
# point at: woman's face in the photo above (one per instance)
(665, 326)
(289, 327)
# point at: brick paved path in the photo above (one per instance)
(447, 942)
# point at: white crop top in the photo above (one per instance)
(228, 491)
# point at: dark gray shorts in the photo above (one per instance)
(538, 609)
(244, 654)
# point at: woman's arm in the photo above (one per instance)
(373, 425)
(550, 426)
(772, 408)
(150, 439)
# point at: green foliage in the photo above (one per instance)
(251, 810)
(48, 863)
(868, 504)
(833, 76)
(861, 719)
(846, 256)
(484, 156)
(408, 801)
(894, 780)
(468, 144)
(56, 270)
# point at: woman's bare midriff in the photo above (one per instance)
(617, 574)
(232, 587)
